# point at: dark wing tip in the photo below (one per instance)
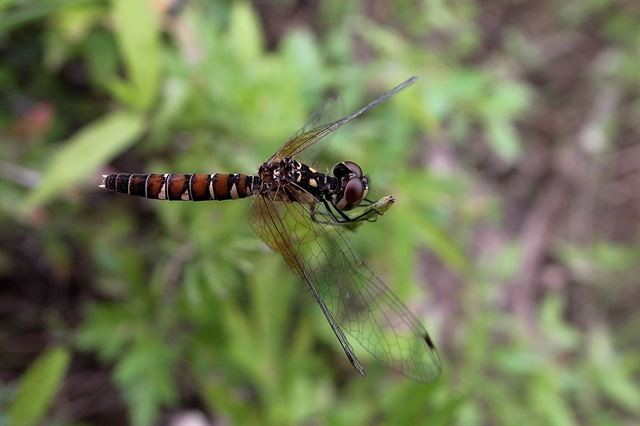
(428, 341)
(435, 357)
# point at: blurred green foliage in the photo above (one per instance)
(187, 304)
(38, 386)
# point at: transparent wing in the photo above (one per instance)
(304, 138)
(266, 221)
(329, 111)
(350, 295)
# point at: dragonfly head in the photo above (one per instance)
(353, 185)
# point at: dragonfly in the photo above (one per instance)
(307, 216)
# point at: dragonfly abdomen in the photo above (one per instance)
(184, 187)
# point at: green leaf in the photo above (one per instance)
(176, 93)
(21, 16)
(438, 241)
(503, 139)
(83, 154)
(546, 397)
(300, 51)
(613, 378)
(245, 37)
(38, 387)
(559, 332)
(102, 59)
(617, 384)
(140, 50)
(68, 28)
(145, 377)
(388, 42)
(106, 330)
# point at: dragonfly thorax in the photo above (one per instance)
(293, 181)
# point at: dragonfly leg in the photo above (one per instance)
(367, 202)
(334, 216)
(366, 216)
(330, 218)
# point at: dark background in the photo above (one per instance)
(515, 239)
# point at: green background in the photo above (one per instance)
(515, 238)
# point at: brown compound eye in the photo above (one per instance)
(353, 194)
(353, 167)
(347, 168)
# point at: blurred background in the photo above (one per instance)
(515, 239)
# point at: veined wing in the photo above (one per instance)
(305, 138)
(350, 295)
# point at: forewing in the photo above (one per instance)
(346, 289)
(305, 138)
(329, 111)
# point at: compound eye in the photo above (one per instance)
(346, 169)
(353, 193)
(353, 168)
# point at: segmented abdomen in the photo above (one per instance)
(173, 186)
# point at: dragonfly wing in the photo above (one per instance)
(304, 138)
(268, 222)
(328, 112)
(351, 296)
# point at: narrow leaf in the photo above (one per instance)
(38, 387)
(83, 154)
(245, 37)
(140, 49)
